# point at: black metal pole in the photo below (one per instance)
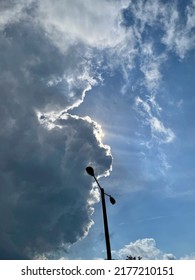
(107, 236)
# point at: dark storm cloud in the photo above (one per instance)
(44, 188)
(47, 201)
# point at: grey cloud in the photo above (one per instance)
(44, 189)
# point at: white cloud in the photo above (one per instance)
(146, 13)
(159, 132)
(94, 23)
(179, 35)
(178, 29)
(166, 135)
(189, 257)
(150, 66)
(164, 162)
(95, 28)
(146, 248)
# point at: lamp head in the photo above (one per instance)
(112, 200)
(90, 171)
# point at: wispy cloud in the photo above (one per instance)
(179, 35)
(159, 132)
(150, 66)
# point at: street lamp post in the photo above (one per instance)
(90, 171)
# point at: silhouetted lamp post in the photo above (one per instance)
(90, 171)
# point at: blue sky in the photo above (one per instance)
(108, 84)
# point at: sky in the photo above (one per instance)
(108, 84)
